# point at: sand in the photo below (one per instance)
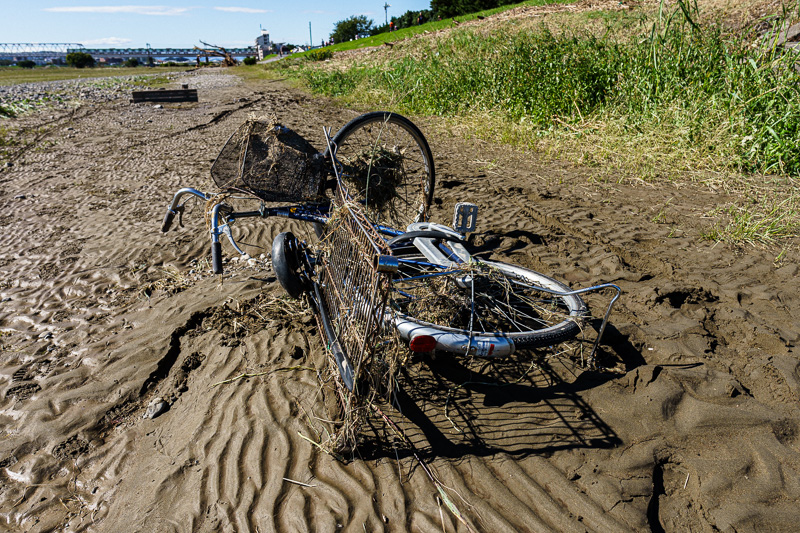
(690, 425)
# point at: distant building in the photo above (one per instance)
(263, 45)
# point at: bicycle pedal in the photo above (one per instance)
(465, 217)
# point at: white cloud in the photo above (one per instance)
(137, 10)
(242, 10)
(106, 41)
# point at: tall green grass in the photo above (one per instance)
(692, 86)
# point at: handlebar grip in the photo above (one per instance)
(216, 257)
(168, 218)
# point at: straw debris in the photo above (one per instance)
(271, 161)
(374, 175)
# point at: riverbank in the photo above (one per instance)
(692, 423)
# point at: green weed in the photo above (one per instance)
(758, 223)
(661, 216)
(6, 137)
(676, 92)
(319, 55)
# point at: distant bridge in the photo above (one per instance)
(51, 51)
(159, 52)
(41, 51)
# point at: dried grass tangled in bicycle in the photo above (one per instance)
(501, 303)
(377, 176)
(377, 365)
(374, 174)
(270, 161)
(354, 410)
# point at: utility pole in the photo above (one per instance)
(310, 40)
(386, 7)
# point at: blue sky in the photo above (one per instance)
(102, 24)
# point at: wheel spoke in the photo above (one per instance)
(386, 163)
(502, 303)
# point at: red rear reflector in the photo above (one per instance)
(422, 344)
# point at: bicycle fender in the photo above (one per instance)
(431, 252)
(479, 345)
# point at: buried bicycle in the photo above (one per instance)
(379, 264)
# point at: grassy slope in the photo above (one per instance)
(402, 33)
(726, 122)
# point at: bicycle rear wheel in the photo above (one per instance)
(483, 308)
(387, 164)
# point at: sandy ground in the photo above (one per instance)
(693, 425)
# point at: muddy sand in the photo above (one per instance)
(692, 424)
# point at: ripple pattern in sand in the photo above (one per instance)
(86, 349)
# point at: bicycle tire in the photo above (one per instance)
(386, 163)
(286, 264)
(510, 310)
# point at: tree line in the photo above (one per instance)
(360, 25)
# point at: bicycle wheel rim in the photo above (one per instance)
(386, 163)
(509, 311)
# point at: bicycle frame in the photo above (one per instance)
(497, 346)
(316, 213)
(445, 257)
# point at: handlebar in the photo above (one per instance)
(222, 217)
(216, 257)
(174, 207)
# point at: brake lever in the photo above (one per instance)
(226, 230)
(179, 210)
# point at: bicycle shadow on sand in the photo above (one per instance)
(529, 403)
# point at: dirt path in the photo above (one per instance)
(695, 427)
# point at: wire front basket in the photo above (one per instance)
(270, 161)
(355, 284)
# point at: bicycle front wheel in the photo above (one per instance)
(482, 308)
(386, 163)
